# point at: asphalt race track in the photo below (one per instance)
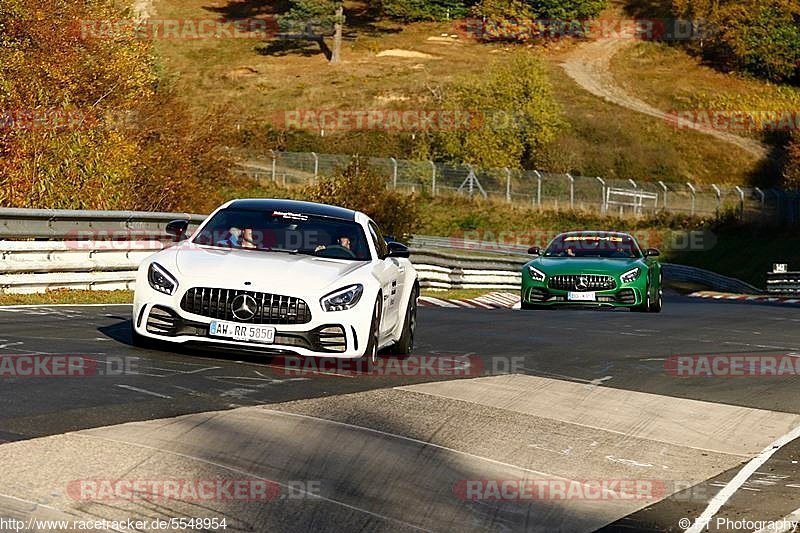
(565, 398)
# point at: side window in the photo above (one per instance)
(380, 242)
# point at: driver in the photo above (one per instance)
(343, 242)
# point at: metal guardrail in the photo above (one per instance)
(64, 255)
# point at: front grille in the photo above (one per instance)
(582, 282)
(272, 308)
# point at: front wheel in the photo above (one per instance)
(659, 301)
(371, 352)
(406, 343)
(645, 307)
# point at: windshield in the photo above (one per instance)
(278, 231)
(608, 246)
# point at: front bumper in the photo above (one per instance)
(623, 295)
(341, 334)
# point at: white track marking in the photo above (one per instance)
(741, 477)
(253, 475)
(143, 391)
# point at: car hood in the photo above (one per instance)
(267, 271)
(585, 265)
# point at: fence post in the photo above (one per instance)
(508, 185)
(571, 191)
(538, 189)
(274, 158)
(761, 198)
(316, 165)
(433, 178)
(603, 193)
(665, 193)
(394, 172)
(694, 193)
(741, 201)
(718, 192)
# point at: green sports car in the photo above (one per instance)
(593, 268)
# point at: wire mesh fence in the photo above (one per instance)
(542, 190)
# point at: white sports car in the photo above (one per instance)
(280, 276)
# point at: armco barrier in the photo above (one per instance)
(57, 258)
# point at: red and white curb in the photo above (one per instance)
(745, 297)
(493, 300)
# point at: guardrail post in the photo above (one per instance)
(316, 165)
(741, 201)
(694, 194)
(719, 197)
(508, 185)
(665, 193)
(433, 178)
(603, 205)
(538, 189)
(394, 172)
(633, 183)
(571, 191)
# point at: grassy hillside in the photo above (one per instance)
(259, 79)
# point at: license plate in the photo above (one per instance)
(242, 332)
(581, 297)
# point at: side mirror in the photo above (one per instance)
(652, 252)
(178, 229)
(534, 250)
(397, 250)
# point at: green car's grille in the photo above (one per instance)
(582, 282)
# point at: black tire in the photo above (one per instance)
(658, 304)
(371, 351)
(645, 307)
(406, 343)
(530, 307)
(140, 341)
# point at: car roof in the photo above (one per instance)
(595, 232)
(294, 206)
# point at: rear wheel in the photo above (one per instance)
(371, 353)
(406, 343)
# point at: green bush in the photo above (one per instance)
(426, 9)
(761, 37)
(791, 172)
(360, 187)
(517, 114)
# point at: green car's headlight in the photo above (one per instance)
(536, 274)
(630, 275)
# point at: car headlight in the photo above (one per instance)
(161, 280)
(536, 274)
(630, 275)
(342, 299)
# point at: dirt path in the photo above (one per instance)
(590, 66)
